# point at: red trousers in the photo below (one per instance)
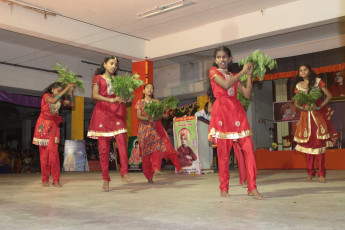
(50, 164)
(150, 163)
(240, 162)
(310, 164)
(223, 152)
(104, 151)
(174, 159)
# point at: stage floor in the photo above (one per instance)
(173, 202)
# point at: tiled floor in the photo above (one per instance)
(173, 202)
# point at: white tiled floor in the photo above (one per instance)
(173, 202)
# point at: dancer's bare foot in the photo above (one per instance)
(57, 184)
(321, 179)
(309, 177)
(45, 184)
(150, 181)
(105, 187)
(224, 194)
(126, 178)
(244, 185)
(256, 194)
(157, 173)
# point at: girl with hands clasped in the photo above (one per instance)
(108, 119)
(229, 121)
(314, 130)
(47, 131)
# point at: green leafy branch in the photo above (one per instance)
(124, 86)
(310, 98)
(260, 63)
(66, 77)
(155, 109)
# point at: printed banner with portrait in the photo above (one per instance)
(186, 143)
(75, 156)
(134, 158)
(335, 84)
(285, 111)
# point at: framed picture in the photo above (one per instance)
(285, 111)
(335, 84)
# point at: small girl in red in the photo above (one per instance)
(47, 132)
(108, 119)
(229, 121)
(153, 140)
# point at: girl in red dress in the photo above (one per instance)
(314, 130)
(47, 132)
(153, 140)
(108, 119)
(229, 121)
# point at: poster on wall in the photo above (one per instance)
(335, 84)
(75, 156)
(285, 111)
(134, 158)
(186, 143)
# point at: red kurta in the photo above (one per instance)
(47, 136)
(229, 120)
(149, 140)
(108, 120)
(314, 131)
(228, 123)
(47, 122)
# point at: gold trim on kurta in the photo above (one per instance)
(229, 135)
(95, 134)
(43, 142)
(323, 130)
(314, 151)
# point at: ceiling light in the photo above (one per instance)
(160, 9)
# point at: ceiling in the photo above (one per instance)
(120, 15)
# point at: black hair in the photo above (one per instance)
(51, 87)
(101, 70)
(312, 77)
(145, 87)
(226, 50)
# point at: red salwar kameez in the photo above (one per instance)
(47, 137)
(109, 120)
(229, 122)
(315, 132)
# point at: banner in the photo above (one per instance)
(285, 111)
(134, 158)
(186, 143)
(75, 156)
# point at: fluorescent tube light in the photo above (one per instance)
(160, 9)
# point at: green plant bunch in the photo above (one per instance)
(66, 77)
(260, 62)
(170, 103)
(310, 98)
(155, 109)
(124, 86)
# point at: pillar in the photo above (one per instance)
(145, 70)
(77, 127)
(281, 95)
(201, 101)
